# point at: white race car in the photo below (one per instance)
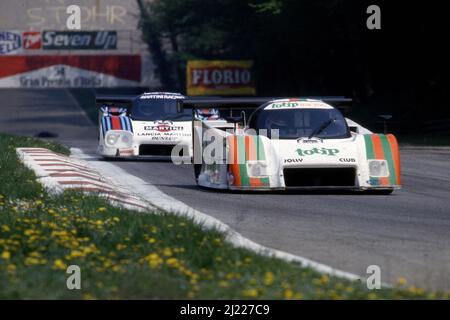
(148, 125)
(294, 144)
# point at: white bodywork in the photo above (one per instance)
(267, 169)
(125, 137)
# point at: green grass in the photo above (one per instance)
(125, 254)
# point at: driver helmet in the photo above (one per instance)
(276, 121)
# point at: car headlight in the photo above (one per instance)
(125, 139)
(119, 139)
(378, 168)
(111, 139)
(257, 169)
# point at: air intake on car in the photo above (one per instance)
(155, 150)
(319, 177)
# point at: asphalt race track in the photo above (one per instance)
(407, 234)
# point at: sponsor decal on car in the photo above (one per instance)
(294, 160)
(163, 126)
(318, 151)
(10, 42)
(299, 104)
(162, 95)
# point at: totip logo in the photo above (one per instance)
(32, 40)
(9, 42)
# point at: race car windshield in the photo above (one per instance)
(297, 123)
(158, 109)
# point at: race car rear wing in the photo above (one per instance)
(125, 100)
(114, 104)
(251, 102)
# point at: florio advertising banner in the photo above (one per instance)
(221, 77)
(58, 71)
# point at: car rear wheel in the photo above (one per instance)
(197, 169)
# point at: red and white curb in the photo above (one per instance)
(57, 172)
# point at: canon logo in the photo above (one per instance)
(234, 76)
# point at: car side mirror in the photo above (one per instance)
(179, 105)
(354, 129)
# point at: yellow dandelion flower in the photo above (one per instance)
(154, 260)
(229, 275)
(11, 268)
(298, 296)
(88, 296)
(116, 268)
(29, 232)
(372, 296)
(58, 264)
(167, 252)
(288, 294)
(325, 279)
(250, 293)
(223, 284)
(35, 254)
(268, 278)
(101, 209)
(416, 290)
(401, 281)
(151, 240)
(30, 261)
(120, 246)
(5, 228)
(6, 255)
(172, 262)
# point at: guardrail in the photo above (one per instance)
(437, 126)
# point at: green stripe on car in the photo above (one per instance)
(388, 156)
(370, 154)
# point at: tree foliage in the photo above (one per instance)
(309, 47)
